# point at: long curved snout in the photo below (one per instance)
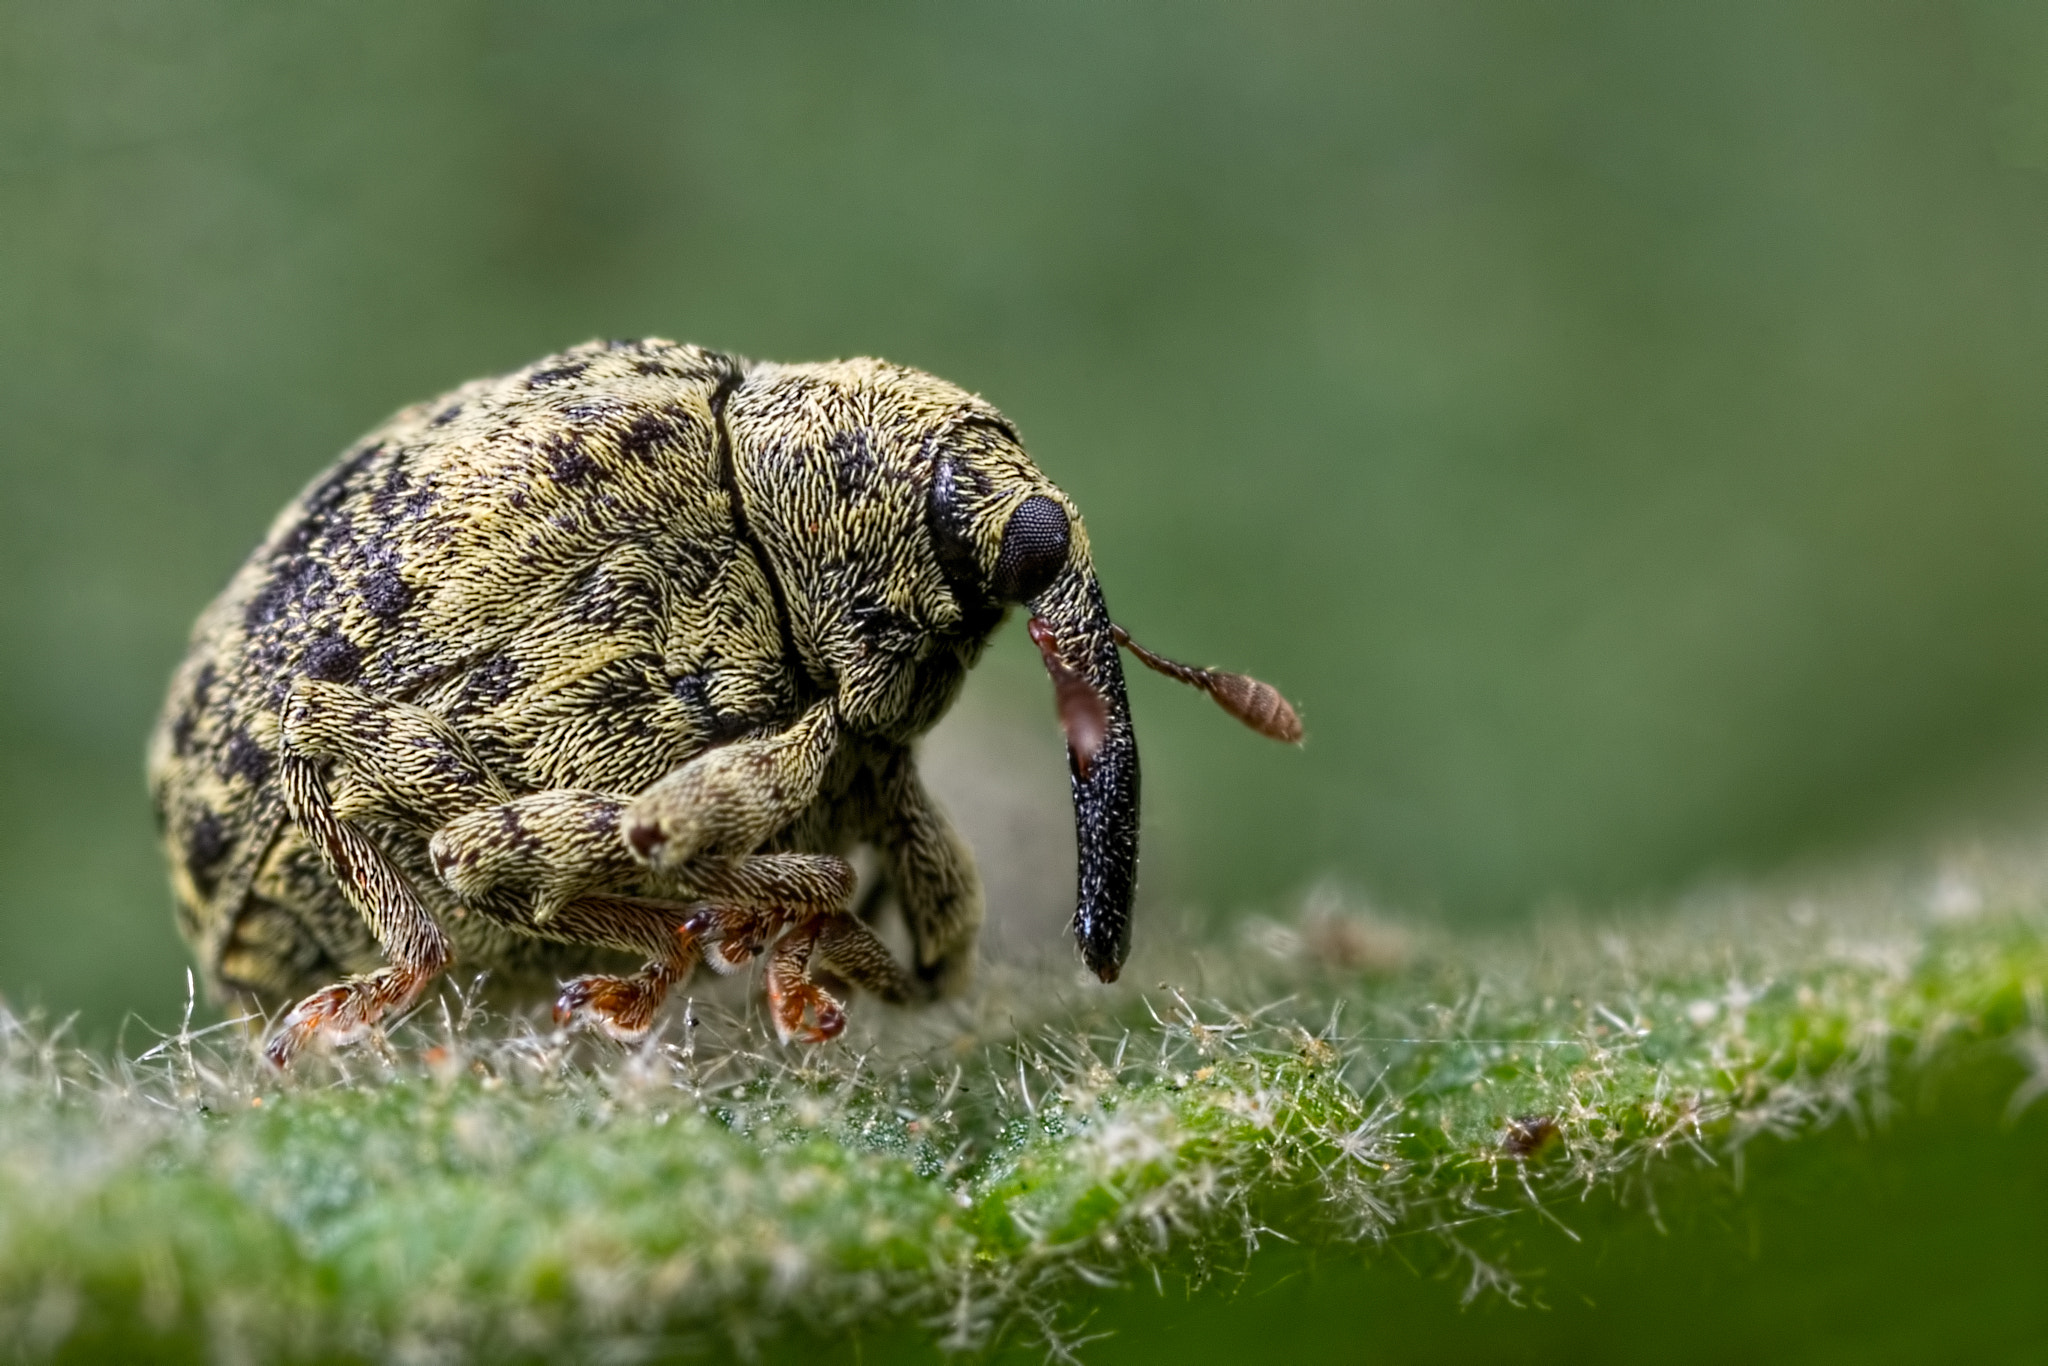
(1073, 632)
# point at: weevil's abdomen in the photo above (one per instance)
(549, 560)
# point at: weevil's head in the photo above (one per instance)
(902, 519)
(1004, 535)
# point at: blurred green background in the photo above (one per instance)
(1620, 427)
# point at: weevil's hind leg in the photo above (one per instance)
(623, 1007)
(393, 762)
(400, 764)
(411, 940)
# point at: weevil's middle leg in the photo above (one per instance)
(794, 908)
(745, 903)
(624, 1007)
(852, 952)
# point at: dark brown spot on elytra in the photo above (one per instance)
(245, 759)
(333, 658)
(195, 706)
(206, 843)
(652, 433)
(297, 580)
(386, 593)
(181, 730)
(491, 681)
(322, 508)
(568, 463)
(541, 379)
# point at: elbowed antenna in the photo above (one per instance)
(1259, 705)
(1084, 715)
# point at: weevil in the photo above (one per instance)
(624, 652)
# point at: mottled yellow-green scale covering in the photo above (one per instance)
(544, 559)
(493, 628)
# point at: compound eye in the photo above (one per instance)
(1034, 550)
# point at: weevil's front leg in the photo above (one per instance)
(563, 843)
(410, 938)
(800, 997)
(751, 900)
(729, 800)
(801, 1008)
(703, 821)
(933, 874)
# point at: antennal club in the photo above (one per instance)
(1258, 705)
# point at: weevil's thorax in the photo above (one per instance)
(836, 466)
